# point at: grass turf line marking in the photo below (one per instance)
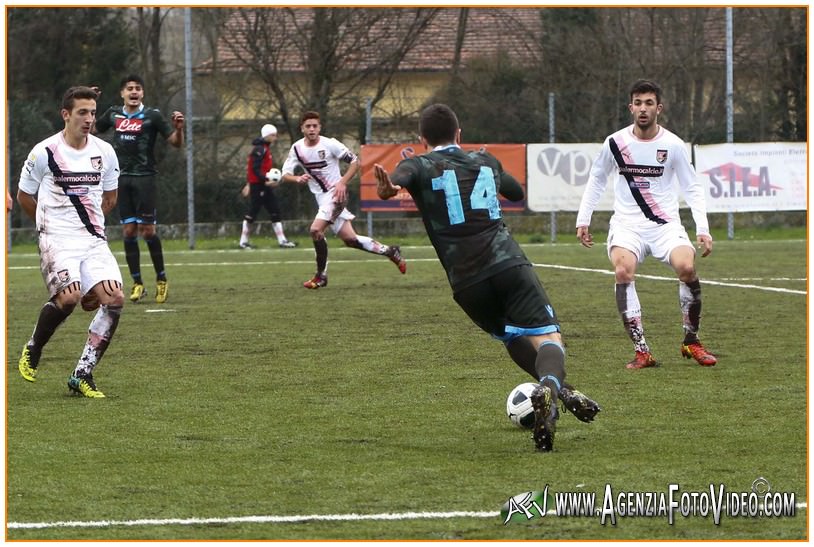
(272, 519)
(535, 264)
(663, 278)
(275, 519)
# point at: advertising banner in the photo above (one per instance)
(740, 177)
(511, 156)
(558, 174)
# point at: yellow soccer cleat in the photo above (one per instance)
(137, 293)
(28, 364)
(84, 385)
(161, 290)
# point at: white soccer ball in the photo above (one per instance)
(519, 407)
(273, 177)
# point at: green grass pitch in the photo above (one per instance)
(246, 395)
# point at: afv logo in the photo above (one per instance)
(526, 506)
(572, 167)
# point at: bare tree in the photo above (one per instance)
(328, 59)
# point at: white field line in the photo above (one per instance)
(267, 519)
(723, 283)
(274, 519)
(663, 278)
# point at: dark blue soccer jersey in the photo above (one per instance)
(134, 137)
(457, 195)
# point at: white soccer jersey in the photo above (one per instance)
(69, 184)
(645, 175)
(320, 161)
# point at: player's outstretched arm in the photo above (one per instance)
(384, 186)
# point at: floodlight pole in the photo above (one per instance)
(552, 214)
(730, 132)
(188, 107)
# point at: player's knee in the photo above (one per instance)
(623, 274)
(68, 298)
(317, 234)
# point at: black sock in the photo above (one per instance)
(321, 248)
(131, 255)
(157, 254)
(51, 317)
(550, 364)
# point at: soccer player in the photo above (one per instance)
(491, 278)
(136, 128)
(261, 195)
(67, 185)
(319, 157)
(645, 161)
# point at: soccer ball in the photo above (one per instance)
(273, 177)
(519, 407)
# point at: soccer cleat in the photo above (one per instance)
(288, 244)
(162, 287)
(246, 245)
(84, 385)
(578, 404)
(698, 352)
(319, 280)
(394, 254)
(643, 359)
(137, 293)
(28, 364)
(546, 415)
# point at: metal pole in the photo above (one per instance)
(368, 137)
(188, 116)
(8, 176)
(552, 214)
(730, 131)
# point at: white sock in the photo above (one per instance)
(371, 245)
(244, 234)
(278, 231)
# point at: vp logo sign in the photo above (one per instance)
(566, 162)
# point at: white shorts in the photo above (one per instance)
(656, 240)
(332, 212)
(64, 261)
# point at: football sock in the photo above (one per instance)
(51, 317)
(157, 254)
(321, 248)
(522, 352)
(131, 255)
(689, 297)
(100, 332)
(244, 232)
(278, 231)
(550, 364)
(367, 244)
(627, 302)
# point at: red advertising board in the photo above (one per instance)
(511, 156)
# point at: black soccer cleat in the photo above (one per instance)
(578, 404)
(546, 415)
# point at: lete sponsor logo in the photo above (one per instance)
(126, 125)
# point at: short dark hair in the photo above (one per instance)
(438, 124)
(77, 92)
(645, 86)
(131, 78)
(309, 115)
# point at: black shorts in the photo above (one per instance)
(137, 197)
(509, 304)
